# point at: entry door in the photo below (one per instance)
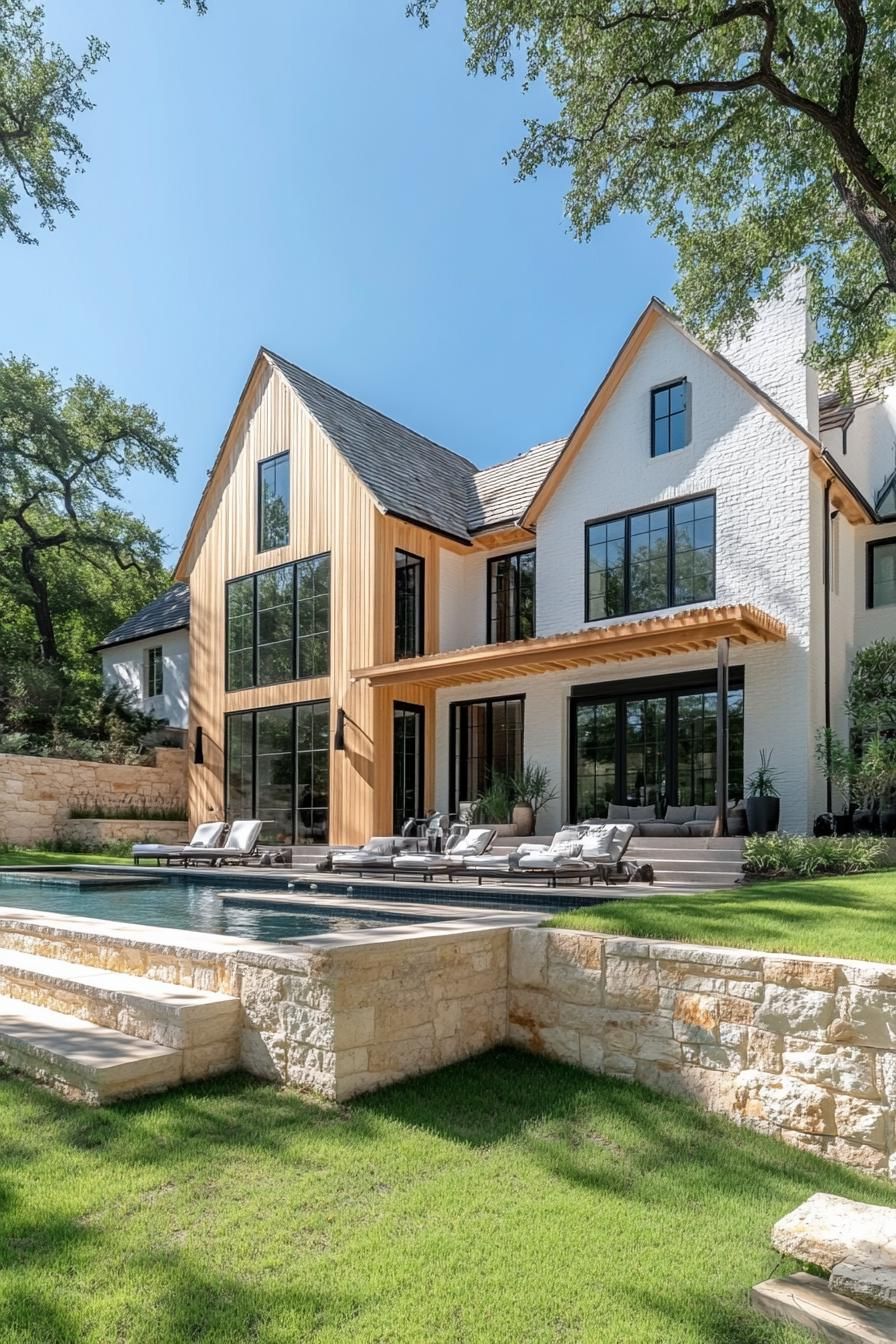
(407, 764)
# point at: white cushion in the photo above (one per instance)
(597, 841)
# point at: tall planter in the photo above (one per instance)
(763, 815)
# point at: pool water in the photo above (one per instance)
(179, 904)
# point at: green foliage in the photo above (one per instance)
(783, 855)
(871, 700)
(532, 786)
(762, 783)
(73, 561)
(66, 845)
(754, 138)
(137, 810)
(495, 804)
(42, 90)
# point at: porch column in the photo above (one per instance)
(721, 825)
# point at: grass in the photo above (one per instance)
(38, 858)
(831, 916)
(502, 1200)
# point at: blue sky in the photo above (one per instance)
(326, 180)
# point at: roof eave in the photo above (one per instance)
(137, 639)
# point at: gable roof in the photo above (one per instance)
(501, 494)
(171, 611)
(656, 311)
(408, 475)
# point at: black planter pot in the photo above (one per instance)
(842, 823)
(824, 824)
(888, 820)
(863, 820)
(763, 815)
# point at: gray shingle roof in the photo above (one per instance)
(503, 493)
(408, 474)
(171, 611)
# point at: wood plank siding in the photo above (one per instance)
(331, 511)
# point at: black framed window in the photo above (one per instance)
(511, 597)
(312, 772)
(409, 591)
(278, 769)
(670, 417)
(275, 615)
(652, 741)
(278, 624)
(240, 638)
(655, 558)
(487, 740)
(407, 763)
(882, 573)
(155, 678)
(313, 616)
(273, 502)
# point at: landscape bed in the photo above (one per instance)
(504, 1199)
(851, 917)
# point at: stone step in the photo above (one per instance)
(204, 1025)
(81, 1060)
(807, 1301)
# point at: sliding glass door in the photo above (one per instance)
(654, 744)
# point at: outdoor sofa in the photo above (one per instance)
(206, 836)
(239, 847)
(681, 822)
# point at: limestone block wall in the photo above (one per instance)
(800, 1048)
(36, 792)
(354, 1018)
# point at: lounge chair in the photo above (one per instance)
(206, 836)
(459, 850)
(239, 847)
(576, 852)
(374, 857)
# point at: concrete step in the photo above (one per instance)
(83, 1061)
(203, 1025)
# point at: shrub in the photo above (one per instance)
(136, 809)
(783, 855)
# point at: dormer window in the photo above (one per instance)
(670, 417)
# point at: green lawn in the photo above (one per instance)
(830, 916)
(31, 858)
(504, 1200)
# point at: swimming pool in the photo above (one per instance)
(176, 903)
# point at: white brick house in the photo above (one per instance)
(565, 607)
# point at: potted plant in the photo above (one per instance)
(494, 805)
(763, 800)
(532, 790)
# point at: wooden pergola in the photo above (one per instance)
(709, 629)
(687, 631)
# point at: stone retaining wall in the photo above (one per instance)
(800, 1048)
(36, 792)
(354, 1018)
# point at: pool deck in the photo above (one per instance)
(329, 885)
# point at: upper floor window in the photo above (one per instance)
(409, 593)
(882, 573)
(278, 624)
(511, 597)
(154, 672)
(670, 417)
(655, 558)
(273, 502)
